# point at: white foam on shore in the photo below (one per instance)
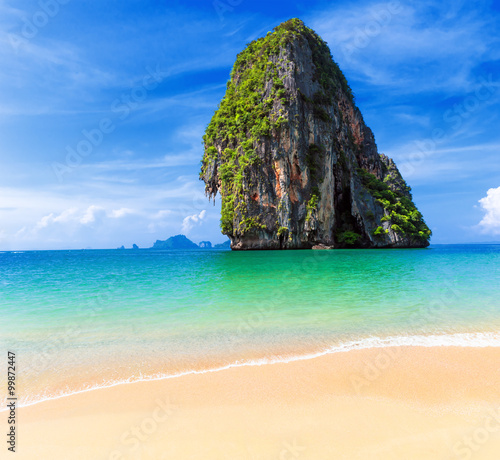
(473, 340)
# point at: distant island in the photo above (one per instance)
(175, 242)
(183, 242)
(225, 245)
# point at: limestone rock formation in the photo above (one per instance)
(293, 160)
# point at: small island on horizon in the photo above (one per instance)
(182, 242)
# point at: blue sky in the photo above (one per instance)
(103, 106)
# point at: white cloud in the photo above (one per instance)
(92, 215)
(191, 221)
(63, 218)
(122, 212)
(44, 222)
(73, 219)
(491, 205)
(66, 216)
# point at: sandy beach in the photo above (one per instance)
(387, 403)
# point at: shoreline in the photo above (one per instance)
(465, 340)
(415, 402)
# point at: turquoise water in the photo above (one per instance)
(84, 319)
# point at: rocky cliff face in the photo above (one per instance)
(293, 160)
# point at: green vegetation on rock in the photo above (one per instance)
(402, 214)
(349, 238)
(282, 231)
(312, 205)
(379, 231)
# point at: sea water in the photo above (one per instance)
(81, 320)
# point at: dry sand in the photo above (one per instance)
(393, 403)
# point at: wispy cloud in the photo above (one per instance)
(425, 162)
(168, 161)
(424, 45)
